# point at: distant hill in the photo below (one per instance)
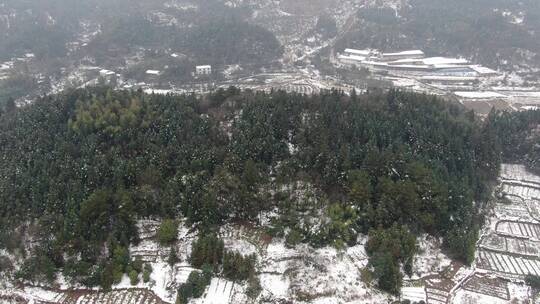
(499, 34)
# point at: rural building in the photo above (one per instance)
(108, 76)
(153, 73)
(106, 73)
(363, 53)
(414, 54)
(203, 70)
(414, 63)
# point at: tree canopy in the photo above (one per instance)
(86, 164)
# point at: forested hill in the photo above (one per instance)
(80, 168)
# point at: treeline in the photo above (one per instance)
(221, 41)
(81, 167)
(519, 134)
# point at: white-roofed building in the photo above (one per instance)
(480, 95)
(412, 54)
(414, 63)
(203, 70)
(483, 71)
(109, 77)
(351, 59)
(106, 73)
(153, 72)
(364, 53)
(445, 61)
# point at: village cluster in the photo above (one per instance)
(477, 87)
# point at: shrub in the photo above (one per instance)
(133, 277)
(237, 267)
(167, 232)
(137, 265)
(294, 237)
(173, 257)
(195, 285)
(147, 272)
(254, 287)
(533, 281)
(207, 249)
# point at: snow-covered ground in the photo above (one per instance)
(414, 294)
(430, 259)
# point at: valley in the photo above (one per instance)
(269, 151)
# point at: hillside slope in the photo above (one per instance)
(82, 168)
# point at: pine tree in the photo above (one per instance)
(173, 257)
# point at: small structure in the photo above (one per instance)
(203, 70)
(109, 77)
(480, 95)
(106, 73)
(362, 53)
(483, 71)
(153, 73)
(413, 54)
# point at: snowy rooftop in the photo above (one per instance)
(407, 60)
(352, 57)
(444, 60)
(405, 53)
(358, 52)
(455, 78)
(480, 95)
(483, 70)
(106, 72)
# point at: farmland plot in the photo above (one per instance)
(414, 294)
(220, 291)
(520, 189)
(439, 286)
(521, 246)
(506, 263)
(494, 287)
(519, 229)
(516, 211)
(518, 173)
(127, 296)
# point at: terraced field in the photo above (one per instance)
(506, 264)
(509, 248)
(491, 286)
(519, 229)
(126, 296)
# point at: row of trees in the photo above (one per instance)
(389, 250)
(519, 134)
